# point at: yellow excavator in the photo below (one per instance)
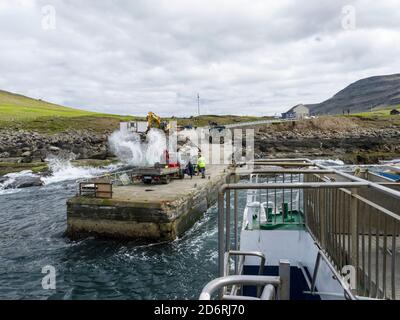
(154, 121)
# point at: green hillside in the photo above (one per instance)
(380, 116)
(378, 112)
(21, 112)
(18, 107)
(203, 120)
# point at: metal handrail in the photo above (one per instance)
(217, 284)
(347, 292)
(247, 172)
(282, 159)
(348, 197)
(359, 232)
(244, 186)
(239, 270)
(252, 123)
(294, 185)
(247, 253)
(333, 171)
(383, 189)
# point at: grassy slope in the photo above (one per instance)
(18, 107)
(20, 112)
(200, 121)
(377, 112)
(378, 118)
(8, 167)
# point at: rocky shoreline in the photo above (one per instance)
(32, 146)
(24, 150)
(349, 140)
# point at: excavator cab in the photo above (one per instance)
(154, 121)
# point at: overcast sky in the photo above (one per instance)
(243, 57)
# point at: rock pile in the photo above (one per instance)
(85, 144)
(348, 142)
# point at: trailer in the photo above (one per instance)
(157, 174)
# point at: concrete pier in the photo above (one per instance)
(154, 212)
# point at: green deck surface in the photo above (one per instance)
(294, 220)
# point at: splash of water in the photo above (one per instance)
(12, 177)
(129, 148)
(154, 147)
(62, 169)
(192, 143)
(329, 162)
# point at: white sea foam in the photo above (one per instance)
(62, 170)
(11, 178)
(129, 148)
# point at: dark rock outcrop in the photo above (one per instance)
(23, 181)
(32, 145)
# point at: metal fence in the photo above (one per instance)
(354, 222)
(353, 230)
(253, 123)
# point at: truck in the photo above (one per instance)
(158, 174)
(170, 166)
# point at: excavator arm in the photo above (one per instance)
(153, 121)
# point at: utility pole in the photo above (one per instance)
(198, 104)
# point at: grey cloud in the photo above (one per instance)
(244, 57)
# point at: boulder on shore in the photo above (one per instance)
(21, 182)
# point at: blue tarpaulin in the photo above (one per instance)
(392, 176)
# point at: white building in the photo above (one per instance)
(297, 112)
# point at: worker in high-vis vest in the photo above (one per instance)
(201, 165)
